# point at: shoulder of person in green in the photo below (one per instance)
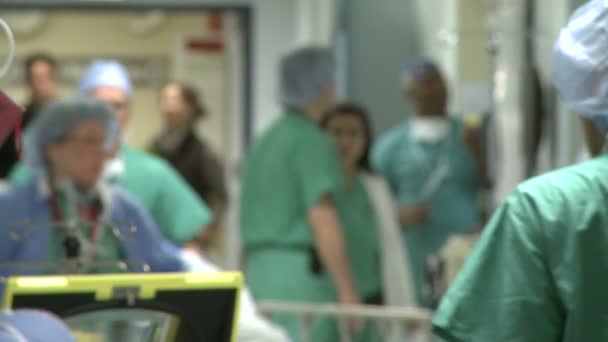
(533, 276)
(178, 211)
(287, 171)
(387, 147)
(20, 173)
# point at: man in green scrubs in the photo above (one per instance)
(538, 273)
(290, 230)
(433, 165)
(177, 210)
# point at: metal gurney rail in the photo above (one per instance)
(393, 321)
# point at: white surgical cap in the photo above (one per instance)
(580, 62)
(107, 73)
(32, 325)
(304, 74)
(57, 120)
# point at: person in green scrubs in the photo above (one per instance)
(434, 166)
(177, 210)
(538, 271)
(291, 234)
(349, 127)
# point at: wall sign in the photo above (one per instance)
(144, 71)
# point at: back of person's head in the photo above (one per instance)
(37, 58)
(304, 75)
(57, 120)
(105, 73)
(26, 325)
(580, 64)
(418, 71)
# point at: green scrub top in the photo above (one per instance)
(538, 273)
(359, 223)
(176, 209)
(288, 170)
(407, 165)
(286, 173)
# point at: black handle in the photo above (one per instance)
(72, 247)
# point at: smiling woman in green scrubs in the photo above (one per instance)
(290, 230)
(349, 128)
(370, 218)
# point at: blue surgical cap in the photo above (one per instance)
(580, 62)
(420, 69)
(107, 73)
(33, 325)
(57, 120)
(304, 75)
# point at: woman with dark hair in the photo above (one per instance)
(191, 157)
(369, 216)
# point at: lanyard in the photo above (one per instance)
(93, 213)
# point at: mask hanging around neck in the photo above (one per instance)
(429, 130)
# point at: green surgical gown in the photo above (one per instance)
(407, 165)
(539, 271)
(288, 170)
(177, 210)
(361, 231)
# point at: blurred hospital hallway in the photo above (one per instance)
(245, 130)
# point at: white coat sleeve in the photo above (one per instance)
(252, 327)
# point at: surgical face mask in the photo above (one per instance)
(429, 129)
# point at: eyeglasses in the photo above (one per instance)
(118, 106)
(87, 142)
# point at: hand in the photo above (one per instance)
(470, 137)
(413, 214)
(349, 299)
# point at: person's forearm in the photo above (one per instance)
(330, 245)
(593, 137)
(480, 164)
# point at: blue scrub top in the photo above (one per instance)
(26, 202)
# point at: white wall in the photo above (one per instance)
(277, 25)
(107, 35)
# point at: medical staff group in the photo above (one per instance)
(327, 214)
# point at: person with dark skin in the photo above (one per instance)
(433, 163)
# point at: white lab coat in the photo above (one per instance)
(398, 286)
